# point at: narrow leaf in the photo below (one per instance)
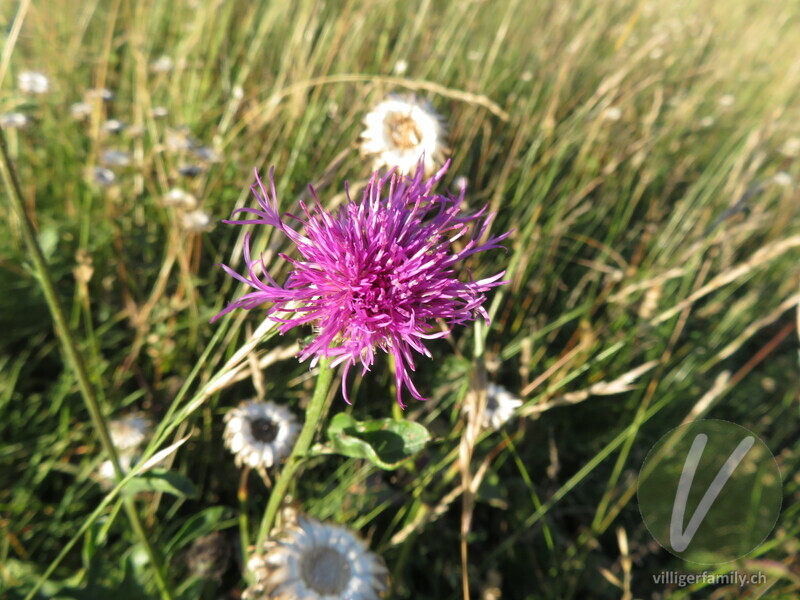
(161, 480)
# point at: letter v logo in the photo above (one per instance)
(709, 491)
(679, 539)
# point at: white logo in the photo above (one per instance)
(680, 540)
(710, 491)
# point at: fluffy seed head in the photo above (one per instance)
(128, 435)
(114, 157)
(114, 126)
(379, 273)
(197, 221)
(163, 64)
(500, 406)
(130, 432)
(106, 474)
(260, 434)
(33, 82)
(80, 110)
(103, 94)
(14, 120)
(314, 561)
(179, 198)
(103, 177)
(402, 129)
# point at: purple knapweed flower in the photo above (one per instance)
(378, 273)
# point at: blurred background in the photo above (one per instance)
(645, 155)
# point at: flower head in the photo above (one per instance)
(311, 561)
(130, 432)
(103, 177)
(180, 198)
(80, 110)
(163, 64)
(106, 473)
(128, 435)
(500, 406)
(33, 82)
(260, 434)
(14, 120)
(113, 157)
(103, 94)
(380, 273)
(400, 130)
(197, 221)
(114, 126)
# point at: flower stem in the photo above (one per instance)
(73, 354)
(314, 415)
(244, 538)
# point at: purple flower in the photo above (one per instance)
(378, 273)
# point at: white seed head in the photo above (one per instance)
(783, 179)
(114, 126)
(400, 130)
(791, 148)
(197, 221)
(179, 198)
(14, 120)
(129, 433)
(706, 122)
(260, 434)
(103, 94)
(80, 110)
(163, 64)
(106, 474)
(103, 177)
(33, 82)
(501, 406)
(726, 100)
(310, 560)
(114, 157)
(179, 140)
(612, 113)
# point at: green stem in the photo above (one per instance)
(71, 351)
(314, 415)
(244, 527)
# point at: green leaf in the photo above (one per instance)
(161, 480)
(386, 443)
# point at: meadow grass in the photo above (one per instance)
(633, 148)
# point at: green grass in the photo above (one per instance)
(630, 245)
